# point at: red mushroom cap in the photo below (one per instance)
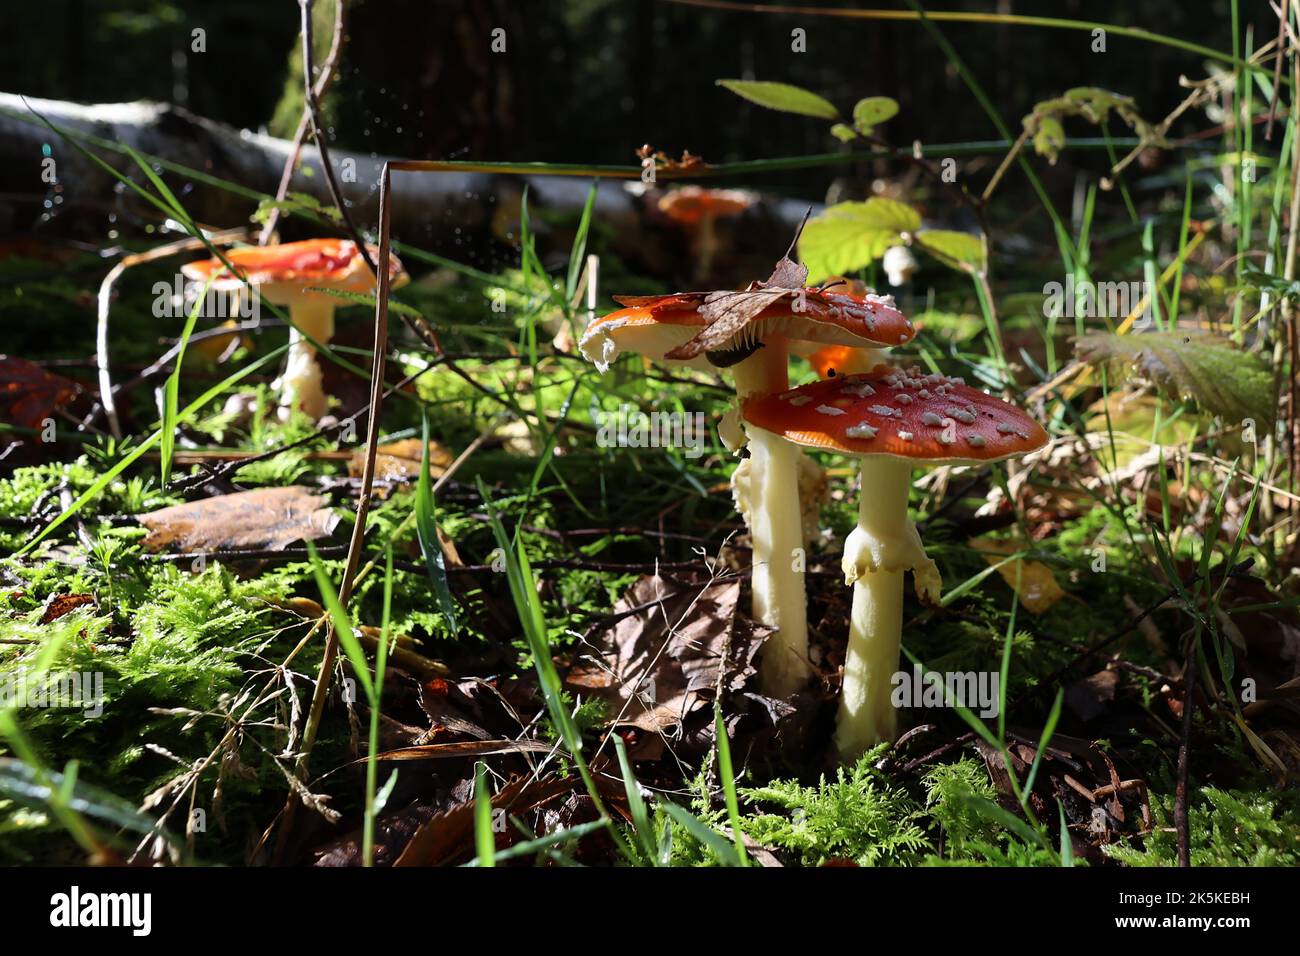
(335, 263)
(903, 413)
(691, 204)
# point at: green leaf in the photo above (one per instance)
(783, 97)
(844, 133)
(957, 250)
(426, 529)
(870, 112)
(1220, 376)
(1049, 138)
(851, 235)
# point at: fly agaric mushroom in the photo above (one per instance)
(696, 209)
(647, 325)
(893, 420)
(749, 331)
(286, 275)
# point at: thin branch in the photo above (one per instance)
(323, 84)
(327, 167)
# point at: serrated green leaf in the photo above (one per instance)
(1220, 376)
(851, 235)
(957, 250)
(782, 97)
(870, 112)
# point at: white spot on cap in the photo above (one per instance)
(861, 389)
(860, 430)
(830, 410)
(906, 436)
(799, 401)
(966, 415)
(976, 441)
(885, 411)
(904, 399)
(930, 418)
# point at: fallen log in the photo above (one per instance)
(469, 216)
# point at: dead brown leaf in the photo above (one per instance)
(1032, 580)
(401, 459)
(29, 394)
(62, 604)
(663, 662)
(268, 518)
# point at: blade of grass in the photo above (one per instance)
(728, 777)
(484, 841)
(342, 625)
(635, 803)
(426, 528)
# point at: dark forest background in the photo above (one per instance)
(590, 80)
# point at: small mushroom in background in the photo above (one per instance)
(766, 485)
(893, 420)
(696, 209)
(286, 275)
(899, 265)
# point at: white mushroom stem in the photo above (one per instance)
(883, 546)
(300, 385)
(767, 493)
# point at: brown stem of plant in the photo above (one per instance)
(323, 85)
(1010, 158)
(363, 502)
(1184, 753)
(1277, 69)
(327, 167)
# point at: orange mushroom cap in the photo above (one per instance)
(903, 413)
(691, 204)
(658, 325)
(335, 263)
